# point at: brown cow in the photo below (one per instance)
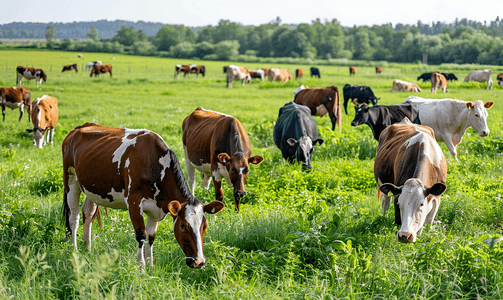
(69, 68)
(30, 73)
(298, 73)
(218, 146)
(97, 69)
(438, 80)
(15, 97)
(132, 169)
(44, 116)
(400, 86)
(322, 101)
(352, 71)
(500, 79)
(410, 164)
(378, 69)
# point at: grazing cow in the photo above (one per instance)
(500, 79)
(352, 71)
(360, 94)
(481, 76)
(113, 57)
(70, 67)
(30, 73)
(237, 73)
(218, 146)
(438, 80)
(449, 76)
(285, 75)
(315, 72)
(132, 169)
(79, 55)
(322, 101)
(450, 118)
(91, 64)
(190, 69)
(380, 117)
(44, 116)
(295, 134)
(259, 74)
(378, 69)
(425, 77)
(276, 74)
(400, 86)
(225, 69)
(97, 69)
(16, 97)
(298, 73)
(410, 164)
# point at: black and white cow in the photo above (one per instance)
(30, 73)
(295, 134)
(359, 94)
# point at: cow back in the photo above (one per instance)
(44, 112)
(294, 121)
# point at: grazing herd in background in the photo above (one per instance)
(139, 172)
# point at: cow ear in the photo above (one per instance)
(489, 104)
(437, 189)
(469, 104)
(174, 207)
(29, 130)
(255, 160)
(354, 100)
(291, 142)
(213, 207)
(389, 187)
(223, 157)
(318, 141)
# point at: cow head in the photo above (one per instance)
(42, 74)
(418, 205)
(304, 150)
(477, 116)
(361, 115)
(189, 226)
(38, 136)
(374, 100)
(238, 166)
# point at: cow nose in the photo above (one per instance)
(353, 124)
(190, 262)
(404, 237)
(306, 167)
(485, 133)
(240, 194)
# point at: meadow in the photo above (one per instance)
(299, 235)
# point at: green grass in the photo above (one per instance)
(316, 235)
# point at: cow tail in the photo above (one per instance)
(66, 213)
(97, 214)
(339, 111)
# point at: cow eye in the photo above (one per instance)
(182, 226)
(476, 115)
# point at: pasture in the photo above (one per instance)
(300, 235)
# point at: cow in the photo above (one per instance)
(425, 77)
(411, 165)
(295, 134)
(16, 97)
(481, 76)
(438, 80)
(218, 146)
(378, 69)
(132, 169)
(380, 117)
(30, 73)
(91, 64)
(500, 79)
(97, 69)
(449, 76)
(276, 74)
(44, 116)
(315, 72)
(237, 73)
(190, 69)
(79, 55)
(259, 74)
(322, 101)
(298, 73)
(400, 86)
(360, 94)
(352, 71)
(69, 68)
(449, 118)
(297, 90)
(225, 69)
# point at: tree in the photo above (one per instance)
(126, 36)
(227, 50)
(93, 34)
(142, 36)
(166, 37)
(50, 32)
(205, 35)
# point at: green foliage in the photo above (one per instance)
(93, 34)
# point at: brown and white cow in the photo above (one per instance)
(352, 71)
(98, 69)
(298, 73)
(378, 69)
(16, 97)
(30, 73)
(132, 169)
(237, 73)
(322, 101)
(410, 164)
(258, 74)
(44, 116)
(69, 68)
(400, 86)
(189, 69)
(499, 78)
(276, 74)
(438, 80)
(218, 146)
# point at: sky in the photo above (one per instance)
(254, 12)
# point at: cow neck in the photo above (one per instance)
(372, 122)
(464, 116)
(182, 188)
(236, 144)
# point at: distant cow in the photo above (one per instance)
(352, 71)
(276, 74)
(258, 74)
(79, 55)
(358, 94)
(380, 117)
(237, 73)
(186, 69)
(411, 165)
(16, 97)
(70, 67)
(315, 72)
(400, 86)
(30, 73)
(44, 116)
(449, 76)
(218, 146)
(425, 77)
(438, 80)
(91, 64)
(481, 76)
(378, 69)
(500, 79)
(98, 69)
(322, 101)
(298, 73)
(295, 134)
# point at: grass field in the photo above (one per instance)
(316, 235)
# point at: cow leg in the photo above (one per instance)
(88, 211)
(206, 181)
(72, 197)
(52, 136)
(191, 171)
(219, 193)
(447, 138)
(149, 246)
(139, 225)
(3, 111)
(398, 217)
(385, 203)
(21, 112)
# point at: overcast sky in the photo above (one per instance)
(251, 12)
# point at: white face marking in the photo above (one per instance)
(117, 156)
(165, 161)
(306, 144)
(321, 110)
(431, 148)
(194, 216)
(149, 206)
(38, 138)
(241, 171)
(413, 207)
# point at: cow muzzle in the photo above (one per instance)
(239, 194)
(484, 133)
(307, 167)
(194, 263)
(405, 237)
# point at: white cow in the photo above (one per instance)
(90, 65)
(237, 73)
(274, 74)
(481, 76)
(449, 118)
